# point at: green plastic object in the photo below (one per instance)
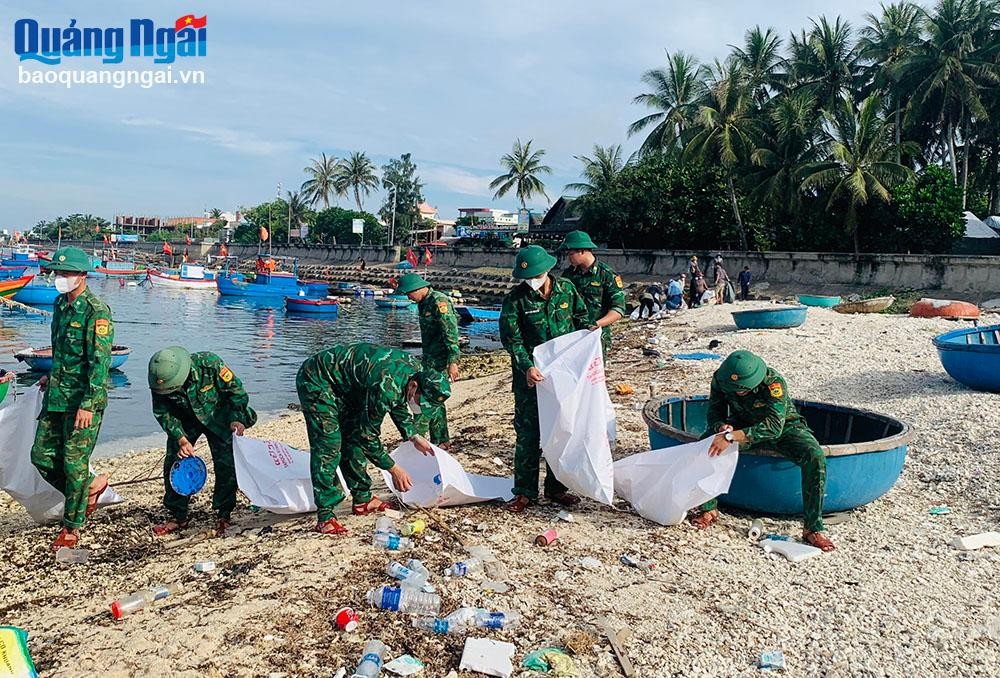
(550, 660)
(4, 387)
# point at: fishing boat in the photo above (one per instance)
(864, 452)
(40, 359)
(22, 255)
(394, 301)
(972, 356)
(8, 288)
(944, 308)
(347, 286)
(188, 277)
(774, 318)
(477, 314)
(117, 268)
(8, 272)
(37, 293)
(270, 282)
(818, 300)
(873, 305)
(312, 306)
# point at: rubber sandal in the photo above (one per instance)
(169, 527)
(704, 520)
(92, 498)
(519, 503)
(819, 540)
(221, 527)
(330, 527)
(66, 539)
(564, 499)
(366, 508)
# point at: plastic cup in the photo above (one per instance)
(547, 537)
(347, 619)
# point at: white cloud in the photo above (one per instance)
(454, 180)
(230, 139)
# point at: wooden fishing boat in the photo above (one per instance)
(313, 306)
(873, 305)
(944, 308)
(476, 314)
(40, 359)
(394, 301)
(818, 300)
(775, 318)
(270, 282)
(10, 272)
(8, 288)
(972, 356)
(864, 452)
(189, 277)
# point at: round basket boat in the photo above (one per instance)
(776, 318)
(865, 452)
(40, 359)
(944, 308)
(394, 301)
(972, 356)
(817, 300)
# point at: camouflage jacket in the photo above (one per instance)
(82, 336)
(438, 330)
(763, 414)
(601, 288)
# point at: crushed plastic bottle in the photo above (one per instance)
(140, 599)
(370, 665)
(385, 525)
(497, 620)
(409, 578)
(418, 567)
(464, 567)
(440, 626)
(407, 601)
(391, 542)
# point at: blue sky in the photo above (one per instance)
(451, 82)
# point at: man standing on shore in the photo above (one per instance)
(195, 394)
(75, 392)
(541, 308)
(749, 404)
(345, 392)
(745, 284)
(601, 288)
(439, 343)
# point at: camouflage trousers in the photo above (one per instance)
(61, 453)
(528, 450)
(224, 490)
(798, 444)
(433, 421)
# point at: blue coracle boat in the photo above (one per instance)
(476, 314)
(865, 452)
(777, 318)
(818, 300)
(972, 356)
(394, 301)
(40, 359)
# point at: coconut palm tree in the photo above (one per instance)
(298, 209)
(523, 169)
(824, 62)
(674, 96)
(860, 165)
(724, 129)
(322, 181)
(759, 58)
(215, 213)
(600, 171)
(357, 173)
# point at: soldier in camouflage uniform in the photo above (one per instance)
(543, 307)
(439, 341)
(195, 394)
(601, 288)
(75, 392)
(749, 404)
(345, 392)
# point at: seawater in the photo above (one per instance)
(262, 343)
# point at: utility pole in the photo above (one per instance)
(392, 226)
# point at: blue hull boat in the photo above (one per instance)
(327, 307)
(474, 314)
(865, 452)
(270, 285)
(37, 295)
(11, 272)
(817, 300)
(777, 318)
(40, 359)
(972, 356)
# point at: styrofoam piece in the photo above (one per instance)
(976, 541)
(792, 550)
(491, 657)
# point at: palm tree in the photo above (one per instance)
(860, 164)
(322, 181)
(675, 94)
(357, 173)
(724, 129)
(825, 63)
(759, 59)
(523, 167)
(298, 209)
(215, 213)
(601, 170)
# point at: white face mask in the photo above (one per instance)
(536, 283)
(66, 284)
(413, 406)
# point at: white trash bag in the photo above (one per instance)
(274, 476)
(18, 476)
(575, 414)
(663, 485)
(440, 480)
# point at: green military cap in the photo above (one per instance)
(169, 369)
(411, 282)
(578, 240)
(532, 261)
(70, 259)
(434, 386)
(741, 371)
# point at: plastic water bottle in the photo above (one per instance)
(440, 626)
(497, 620)
(141, 599)
(465, 616)
(409, 578)
(418, 567)
(391, 542)
(464, 568)
(371, 663)
(385, 525)
(407, 601)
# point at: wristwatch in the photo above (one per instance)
(729, 437)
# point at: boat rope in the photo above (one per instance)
(10, 303)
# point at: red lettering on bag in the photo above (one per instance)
(595, 371)
(280, 454)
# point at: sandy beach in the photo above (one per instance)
(893, 599)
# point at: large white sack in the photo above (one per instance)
(440, 480)
(663, 485)
(574, 411)
(275, 476)
(18, 477)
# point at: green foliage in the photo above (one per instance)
(334, 226)
(927, 213)
(523, 170)
(164, 235)
(402, 174)
(274, 216)
(73, 227)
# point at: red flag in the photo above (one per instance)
(263, 234)
(393, 282)
(428, 257)
(167, 249)
(107, 240)
(187, 239)
(411, 257)
(190, 21)
(223, 250)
